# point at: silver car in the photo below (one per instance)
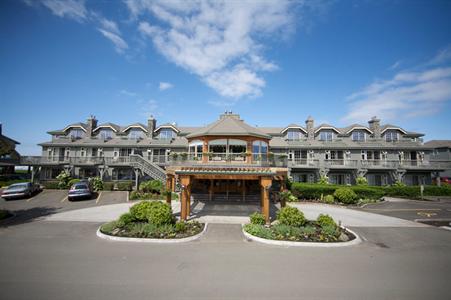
(20, 190)
(80, 190)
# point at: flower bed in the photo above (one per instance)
(292, 226)
(151, 219)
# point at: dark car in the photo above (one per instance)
(20, 190)
(80, 190)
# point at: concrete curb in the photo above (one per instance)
(254, 238)
(154, 241)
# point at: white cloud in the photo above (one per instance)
(149, 108)
(119, 44)
(165, 86)
(109, 26)
(219, 41)
(408, 94)
(73, 9)
(128, 93)
(443, 56)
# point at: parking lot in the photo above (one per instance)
(49, 202)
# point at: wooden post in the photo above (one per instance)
(249, 149)
(243, 183)
(188, 206)
(282, 188)
(204, 151)
(168, 189)
(185, 181)
(265, 183)
(211, 190)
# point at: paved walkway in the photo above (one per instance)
(348, 217)
(352, 218)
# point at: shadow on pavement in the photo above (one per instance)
(27, 215)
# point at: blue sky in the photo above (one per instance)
(273, 62)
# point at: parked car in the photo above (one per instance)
(80, 190)
(20, 190)
(443, 180)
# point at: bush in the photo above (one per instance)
(63, 179)
(329, 231)
(369, 192)
(125, 186)
(125, 219)
(97, 183)
(136, 195)
(151, 186)
(346, 195)
(108, 186)
(361, 180)
(291, 216)
(258, 230)
(140, 211)
(288, 196)
(72, 182)
(323, 180)
(160, 213)
(108, 227)
(257, 218)
(180, 226)
(285, 232)
(325, 220)
(329, 199)
(51, 185)
(311, 191)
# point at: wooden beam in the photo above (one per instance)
(168, 189)
(185, 181)
(265, 183)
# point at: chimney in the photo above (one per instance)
(92, 124)
(375, 127)
(309, 125)
(151, 126)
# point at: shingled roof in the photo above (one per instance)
(230, 125)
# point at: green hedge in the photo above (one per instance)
(124, 185)
(314, 191)
(108, 186)
(53, 185)
(9, 182)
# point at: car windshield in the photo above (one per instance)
(80, 187)
(17, 186)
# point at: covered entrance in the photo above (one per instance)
(225, 184)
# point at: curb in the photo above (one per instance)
(154, 241)
(254, 238)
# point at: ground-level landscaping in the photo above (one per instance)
(291, 225)
(151, 219)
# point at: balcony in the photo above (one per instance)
(227, 159)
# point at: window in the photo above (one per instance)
(135, 134)
(358, 135)
(326, 135)
(293, 134)
(77, 133)
(166, 134)
(391, 135)
(106, 134)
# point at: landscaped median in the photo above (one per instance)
(151, 221)
(292, 229)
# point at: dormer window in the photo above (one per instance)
(106, 134)
(293, 134)
(326, 135)
(391, 136)
(135, 134)
(76, 133)
(358, 135)
(166, 134)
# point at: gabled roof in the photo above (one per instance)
(326, 126)
(115, 127)
(389, 126)
(230, 125)
(76, 125)
(168, 125)
(438, 144)
(350, 128)
(293, 126)
(135, 125)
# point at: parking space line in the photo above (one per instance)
(404, 209)
(64, 199)
(98, 197)
(31, 198)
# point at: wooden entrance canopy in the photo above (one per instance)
(186, 176)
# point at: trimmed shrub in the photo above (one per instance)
(411, 192)
(108, 186)
(361, 180)
(72, 182)
(97, 183)
(125, 186)
(257, 218)
(136, 195)
(151, 186)
(291, 216)
(325, 220)
(329, 199)
(311, 191)
(346, 195)
(125, 219)
(140, 211)
(368, 192)
(258, 230)
(160, 213)
(51, 185)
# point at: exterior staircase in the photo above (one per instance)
(147, 167)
